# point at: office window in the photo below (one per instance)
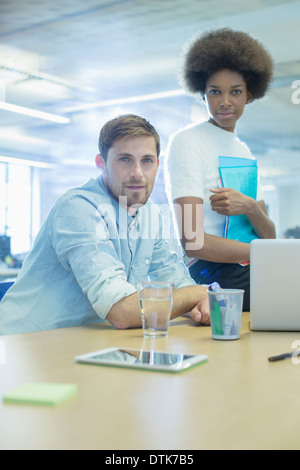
(19, 205)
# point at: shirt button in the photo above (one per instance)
(147, 261)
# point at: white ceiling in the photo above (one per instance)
(71, 57)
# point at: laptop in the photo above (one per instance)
(275, 285)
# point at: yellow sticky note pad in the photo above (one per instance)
(49, 394)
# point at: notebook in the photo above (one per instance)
(275, 285)
(50, 394)
(239, 174)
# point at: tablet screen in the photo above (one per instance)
(146, 359)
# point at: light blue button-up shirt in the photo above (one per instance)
(89, 254)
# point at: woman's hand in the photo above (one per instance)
(228, 201)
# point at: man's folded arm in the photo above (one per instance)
(126, 312)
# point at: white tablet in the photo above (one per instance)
(142, 359)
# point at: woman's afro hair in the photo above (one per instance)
(226, 49)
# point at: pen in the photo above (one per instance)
(281, 357)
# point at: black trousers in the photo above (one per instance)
(229, 276)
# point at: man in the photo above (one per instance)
(98, 242)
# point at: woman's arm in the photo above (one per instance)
(197, 244)
(227, 201)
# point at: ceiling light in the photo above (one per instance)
(130, 99)
(25, 162)
(33, 112)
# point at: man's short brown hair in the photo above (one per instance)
(125, 126)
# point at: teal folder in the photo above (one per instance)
(239, 174)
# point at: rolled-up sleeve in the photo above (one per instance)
(166, 266)
(82, 238)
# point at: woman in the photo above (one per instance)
(228, 69)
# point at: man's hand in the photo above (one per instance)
(200, 313)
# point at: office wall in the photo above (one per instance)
(289, 202)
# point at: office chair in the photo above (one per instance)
(4, 286)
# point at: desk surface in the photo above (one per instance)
(237, 400)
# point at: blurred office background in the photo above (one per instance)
(67, 66)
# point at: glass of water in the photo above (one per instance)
(156, 301)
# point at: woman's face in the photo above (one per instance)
(226, 95)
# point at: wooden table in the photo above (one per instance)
(237, 400)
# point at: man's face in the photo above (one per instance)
(130, 170)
